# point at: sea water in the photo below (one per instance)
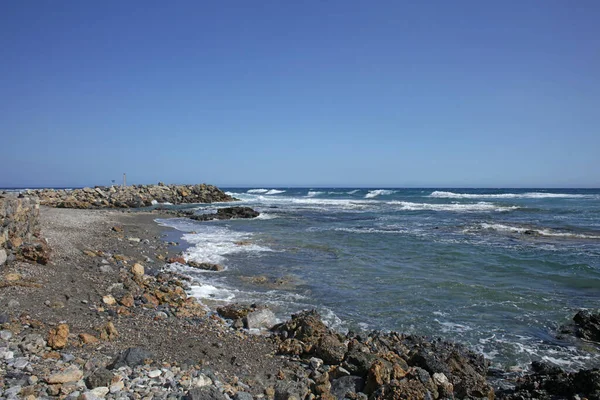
(498, 270)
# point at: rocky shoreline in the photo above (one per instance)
(104, 318)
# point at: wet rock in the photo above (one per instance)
(548, 382)
(587, 325)
(227, 213)
(305, 326)
(235, 310)
(206, 266)
(58, 337)
(131, 357)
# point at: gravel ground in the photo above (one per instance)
(88, 262)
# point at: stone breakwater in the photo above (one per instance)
(19, 229)
(134, 196)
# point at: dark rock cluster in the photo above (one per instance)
(227, 213)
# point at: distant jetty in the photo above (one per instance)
(134, 196)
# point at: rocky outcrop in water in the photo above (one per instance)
(227, 213)
(134, 196)
(587, 325)
(549, 382)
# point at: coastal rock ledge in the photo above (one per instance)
(134, 196)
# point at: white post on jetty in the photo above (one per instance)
(124, 179)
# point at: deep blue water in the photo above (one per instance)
(496, 269)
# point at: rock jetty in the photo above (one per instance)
(134, 196)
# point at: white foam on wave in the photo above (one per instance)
(454, 207)
(530, 195)
(536, 231)
(354, 191)
(307, 202)
(379, 192)
(312, 193)
(257, 191)
(447, 326)
(275, 191)
(264, 216)
(211, 243)
(206, 291)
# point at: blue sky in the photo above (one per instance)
(312, 93)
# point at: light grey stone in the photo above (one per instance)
(260, 319)
(3, 256)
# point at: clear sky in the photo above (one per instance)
(300, 93)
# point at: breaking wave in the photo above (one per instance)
(379, 192)
(530, 195)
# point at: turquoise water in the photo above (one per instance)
(498, 270)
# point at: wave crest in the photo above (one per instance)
(379, 192)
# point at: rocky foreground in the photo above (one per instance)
(134, 196)
(105, 317)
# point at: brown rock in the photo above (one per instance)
(109, 300)
(108, 332)
(58, 337)
(127, 300)
(151, 300)
(117, 229)
(90, 253)
(191, 308)
(86, 338)
(178, 259)
(137, 269)
(38, 252)
(206, 266)
(51, 355)
(12, 277)
(291, 346)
